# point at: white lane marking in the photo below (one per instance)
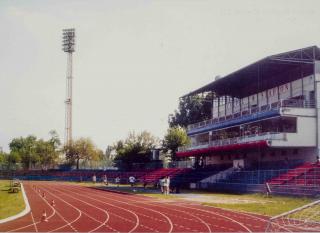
(165, 216)
(134, 214)
(34, 224)
(101, 223)
(231, 219)
(53, 213)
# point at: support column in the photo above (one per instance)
(317, 100)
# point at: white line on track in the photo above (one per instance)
(133, 213)
(34, 224)
(220, 215)
(60, 215)
(152, 210)
(80, 211)
(53, 213)
(96, 220)
(181, 211)
(229, 218)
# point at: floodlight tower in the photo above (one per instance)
(68, 44)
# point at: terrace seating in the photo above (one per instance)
(292, 174)
(260, 173)
(307, 174)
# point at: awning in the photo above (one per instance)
(216, 149)
(266, 73)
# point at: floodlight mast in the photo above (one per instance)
(68, 44)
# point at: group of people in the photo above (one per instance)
(165, 185)
(105, 180)
(164, 182)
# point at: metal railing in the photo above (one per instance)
(289, 103)
(237, 140)
(288, 177)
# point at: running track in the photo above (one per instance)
(83, 209)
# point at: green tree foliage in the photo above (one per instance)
(136, 148)
(191, 110)
(33, 152)
(175, 138)
(25, 149)
(82, 149)
(12, 160)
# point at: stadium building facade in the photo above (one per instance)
(266, 112)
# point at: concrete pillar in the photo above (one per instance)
(317, 102)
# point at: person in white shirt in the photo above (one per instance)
(105, 179)
(117, 181)
(94, 178)
(166, 185)
(161, 183)
(132, 180)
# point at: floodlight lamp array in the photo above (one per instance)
(68, 40)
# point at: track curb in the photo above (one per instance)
(23, 212)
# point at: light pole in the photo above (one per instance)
(68, 44)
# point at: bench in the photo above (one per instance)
(15, 186)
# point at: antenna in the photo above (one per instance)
(68, 44)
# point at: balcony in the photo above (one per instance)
(269, 136)
(262, 112)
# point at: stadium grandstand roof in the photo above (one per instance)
(272, 70)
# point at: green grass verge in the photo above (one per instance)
(10, 203)
(259, 204)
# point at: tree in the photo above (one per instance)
(175, 138)
(82, 149)
(191, 110)
(33, 152)
(25, 149)
(136, 148)
(12, 159)
(47, 153)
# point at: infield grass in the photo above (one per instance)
(10, 203)
(258, 203)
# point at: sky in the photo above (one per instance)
(133, 59)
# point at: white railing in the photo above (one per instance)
(237, 140)
(272, 106)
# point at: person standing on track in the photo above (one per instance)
(166, 185)
(117, 181)
(105, 180)
(132, 180)
(94, 178)
(161, 183)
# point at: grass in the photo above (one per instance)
(259, 204)
(10, 203)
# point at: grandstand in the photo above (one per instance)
(264, 122)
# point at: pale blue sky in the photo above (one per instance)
(133, 59)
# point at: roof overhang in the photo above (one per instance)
(264, 74)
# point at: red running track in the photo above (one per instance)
(83, 209)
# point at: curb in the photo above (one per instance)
(23, 212)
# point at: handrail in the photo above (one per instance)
(235, 140)
(271, 106)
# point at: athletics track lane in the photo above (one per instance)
(79, 208)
